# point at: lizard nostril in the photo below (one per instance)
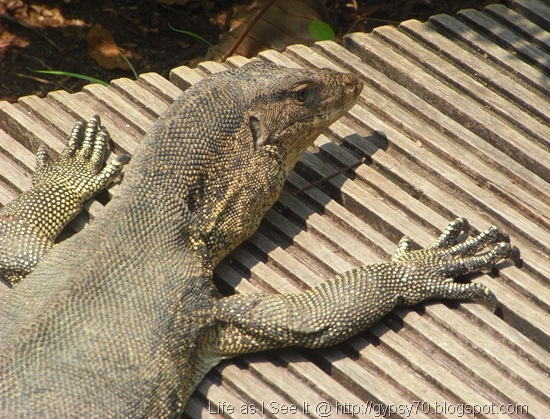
(353, 84)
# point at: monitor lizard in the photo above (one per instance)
(123, 319)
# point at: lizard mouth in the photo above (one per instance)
(328, 118)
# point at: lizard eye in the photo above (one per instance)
(302, 93)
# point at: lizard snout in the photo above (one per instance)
(354, 85)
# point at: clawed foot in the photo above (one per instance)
(447, 259)
(80, 167)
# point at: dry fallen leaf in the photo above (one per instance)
(103, 49)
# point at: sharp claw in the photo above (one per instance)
(491, 300)
(465, 225)
(121, 160)
(515, 256)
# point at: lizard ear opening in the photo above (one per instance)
(260, 136)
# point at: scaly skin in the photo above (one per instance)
(124, 320)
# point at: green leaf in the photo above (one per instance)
(200, 38)
(321, 31)
(193, 34)
(76, 75)
(129, 65)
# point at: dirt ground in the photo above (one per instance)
(59, 35)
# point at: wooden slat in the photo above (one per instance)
(528, 29)
(454, 118)
(506, 37)
(535, 10)
(487, 49)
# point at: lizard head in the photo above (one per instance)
(282, 111)
(292, 107)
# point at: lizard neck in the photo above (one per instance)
(208, 217)
(212, 187)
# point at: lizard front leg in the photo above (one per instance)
(354, 300)
(31, 222)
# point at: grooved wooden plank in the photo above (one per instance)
(17, 152)
(486, 73)
(307, 242)
(503, 58)
(468, 85)
(462, 209)
(528, 29)
(183, 77)
(83, 106)
(310, 55)
(485, 372)
(506, 361)
(233, 279)
(369, 236)
(211, 67)
(159, 86)
(536, 10)
(7, 194)
(215, 392)
(469, 191)
(45, 111)
(317, 379)
(455, 142)
(286, 263)
(411, 149)
(13, 173)
(433, 362)
(515, 340)
(255, 391)
(507, 38)
(543, 323)
(323, 227)
(29, 132)
(459, 107)
(143, 95)
(303, 399)
(363, 378)
(112, 100)
(262, 276)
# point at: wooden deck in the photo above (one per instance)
(454, 118)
